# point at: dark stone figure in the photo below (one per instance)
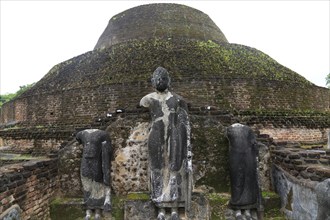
(244, 177)
(322, 190)
(95, 170)
(169, 147)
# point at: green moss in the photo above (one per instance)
(138, 196)
(118, 203)
(11, 128)
(21, 157)
(227, 76)
(72, 208)
(269, 194)
(218, 198)
(60, 200)
(218, 203)
(66, 208)
(272, 205)
(225, 59)
(312, 146)
(244, 61)
(164, 21)
(226, 67)
(57, 201)
(210, 147)
(207, 44)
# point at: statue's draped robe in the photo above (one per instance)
(243, 154)
(95, 168)
(169, 149)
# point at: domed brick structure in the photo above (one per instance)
(205, 69)
(222, 83)
(160, 21)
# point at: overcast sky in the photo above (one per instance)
(36, 35)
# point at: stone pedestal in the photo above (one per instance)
(139, 209)
(14, 212)
(145, 209)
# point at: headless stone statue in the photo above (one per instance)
(169, 147)
(95, 170)
(244, 177)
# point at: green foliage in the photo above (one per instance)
(6, 98)
(24, 88)
(10, 96)
(328, 80)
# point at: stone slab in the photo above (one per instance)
(14, 212)
(145, 209)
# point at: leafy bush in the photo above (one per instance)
(10, 96)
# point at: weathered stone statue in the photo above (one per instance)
(244, 176)
(169, 147)
(95, 170)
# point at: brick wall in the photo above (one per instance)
(30, 185)
(78, 107)
(313, 164)
(302, 135)
(226, 76)
(36, 141)
(32, 146)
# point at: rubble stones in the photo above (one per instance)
(301, 163)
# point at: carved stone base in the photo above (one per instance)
(14, 212)
(233, 215)
(145, 209)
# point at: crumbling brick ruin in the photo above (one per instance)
(223, 83)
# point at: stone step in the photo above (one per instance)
(67, 208)
(145, 209)
(138, 205)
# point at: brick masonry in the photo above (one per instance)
(302, 135)
(30, 185)
(235, 82)
(86, 87)
(309, 164)
(32, 146)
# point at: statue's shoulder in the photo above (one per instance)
(145, 101)
(149, 96)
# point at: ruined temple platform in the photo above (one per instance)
(145, 209)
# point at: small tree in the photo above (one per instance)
(24, 88)
(10, 96)
(328, 80)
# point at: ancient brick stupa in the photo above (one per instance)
(222, 83)
(205, 68)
